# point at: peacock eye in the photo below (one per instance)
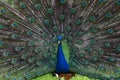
(111, 59)
(14, 36)
(72, 10)
(14, 61)
(82, 55)
(89, 49)
(54, 39)
(117, 3)
(38, 6)
(118, 48)
(94, 30)
(100, 52)
(29, 33)
(79, 42)
(38, 63)
(1, 43)
(102, 1)
(95, 58)
(79, 33)
(32, 20)
(55, 28)
(14, 78)
(37, 50)
(46, 22)
(30, 60)
(108, 15)
(31, 43)
(23, 5)
(50, 10)
(2, 11)
(45, 35)
(92, 41)
(5, 54)
(24, 56)
(18, 48)
(63, 1)
(78, 22)
(68, 28)
(61, 17)
(14, 24)
(8, 75)
(84, 3)
(69, 38)
(107, 44)
(1, 27)
(51, 50)
(110, 31)
(92, 18)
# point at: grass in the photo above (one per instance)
(50, 77)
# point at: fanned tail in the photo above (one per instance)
(96, 42)
(29, 31)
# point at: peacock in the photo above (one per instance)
(34, 32)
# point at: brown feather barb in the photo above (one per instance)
(29, 31)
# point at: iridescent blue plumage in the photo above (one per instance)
(61, 65)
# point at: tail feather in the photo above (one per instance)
(29, 30)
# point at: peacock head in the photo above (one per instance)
(59, 39)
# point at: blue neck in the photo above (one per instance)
(61, 65)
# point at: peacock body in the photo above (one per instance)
(33, 31)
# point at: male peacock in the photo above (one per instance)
(31, 31)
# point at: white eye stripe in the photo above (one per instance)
(59, 42)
